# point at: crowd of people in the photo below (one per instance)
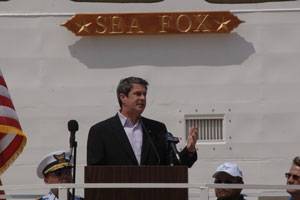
(230, 173)
(56, 168)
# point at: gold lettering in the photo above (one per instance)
(101, 25)
(116, 25)
(134, 25)
(183, 18)
(201, 19)
(165, 23)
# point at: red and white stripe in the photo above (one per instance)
(12, 138)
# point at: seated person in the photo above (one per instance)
(293, 178)
(56, 168)
(228, 173)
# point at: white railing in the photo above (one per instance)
(204, 190)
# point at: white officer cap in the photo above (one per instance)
(54, 161)
(230, 168)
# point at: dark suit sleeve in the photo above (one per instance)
(187, 158)
(95, 148)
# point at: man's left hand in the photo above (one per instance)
(192, 139)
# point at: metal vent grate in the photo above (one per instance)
(210, 127)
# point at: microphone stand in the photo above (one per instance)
(74, 149)
(173, 152)
(73, 127)
(147, 132)
(171, 157)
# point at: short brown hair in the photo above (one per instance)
(125, 85)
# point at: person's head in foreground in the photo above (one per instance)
(228, 173)
(293, 178)
(56, 168)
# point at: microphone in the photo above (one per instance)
(172, 141)
(72, 127)
(171, 138)
(151, 142)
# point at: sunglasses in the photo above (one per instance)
(62, 172)
(294, 176)
(224, 181)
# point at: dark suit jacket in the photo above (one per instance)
(108, 145)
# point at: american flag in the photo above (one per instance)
(12, 138)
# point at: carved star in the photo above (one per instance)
(223, 24)
(84, 27)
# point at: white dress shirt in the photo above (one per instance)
(134, 133)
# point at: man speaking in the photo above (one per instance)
(130, 139)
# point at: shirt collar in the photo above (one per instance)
(50, 196)
(125, 121)
(122, 118)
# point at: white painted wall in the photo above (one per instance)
(251, 76)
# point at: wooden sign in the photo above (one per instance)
(152, 23)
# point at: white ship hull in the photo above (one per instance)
(251, 76)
